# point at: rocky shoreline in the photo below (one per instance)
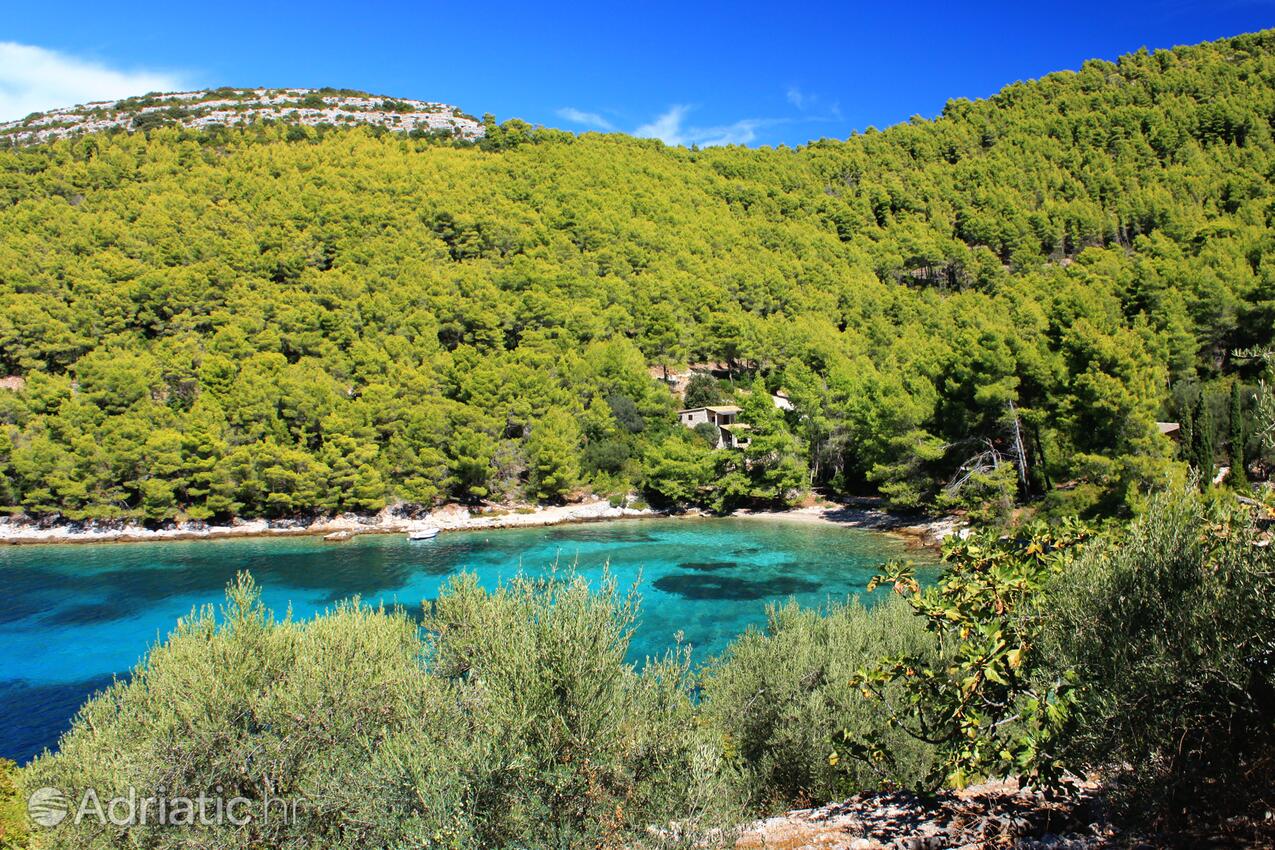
(866, 514)
(21, 530)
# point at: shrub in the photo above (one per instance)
(1080, 500)
(336, 711)
(709, 433)
(512, 720)
(14, 834)
(1170, 628)
(580, 749)
(779, 698)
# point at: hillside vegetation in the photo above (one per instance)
(281, 319)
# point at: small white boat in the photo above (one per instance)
(423, 534)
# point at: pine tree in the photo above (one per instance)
(775, 465)
(553, 452)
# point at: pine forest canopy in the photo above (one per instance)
(281, 319)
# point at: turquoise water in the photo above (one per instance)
(71, 617)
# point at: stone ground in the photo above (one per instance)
(992, 815)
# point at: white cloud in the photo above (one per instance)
(809, 102)
(33, 79)
(667, 128)
(674, 126)
(670, 128)
(588, 119)
(740, 133)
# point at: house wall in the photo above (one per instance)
(694, 417)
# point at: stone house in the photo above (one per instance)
(732, 434)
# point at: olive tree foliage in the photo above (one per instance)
(781, 696)
(1264, 397)
(1169, 628)
(509, 719)
(15, 831)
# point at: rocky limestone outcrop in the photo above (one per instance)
(241, 107)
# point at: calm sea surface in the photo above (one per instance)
(72, 617)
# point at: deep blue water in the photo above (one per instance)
(71, 617)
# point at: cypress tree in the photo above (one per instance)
(1186, 447)
(1204, 448)
(1239, 479)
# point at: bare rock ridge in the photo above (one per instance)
(239, 107)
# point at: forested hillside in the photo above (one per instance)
(281, 319)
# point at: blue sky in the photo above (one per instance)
(706, 73)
